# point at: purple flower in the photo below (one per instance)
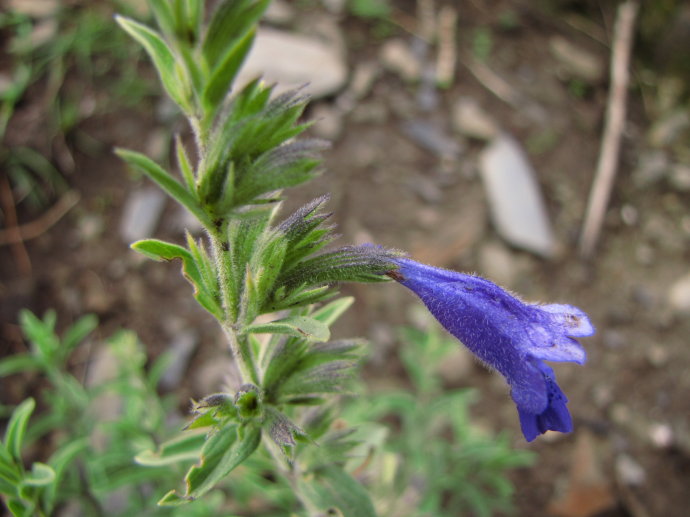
(508, 335)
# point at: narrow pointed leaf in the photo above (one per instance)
(16, 428)
(298, 326)
(163, 58)
(231, 20)
(222, 452)
(184, 447)
(164, 15)
(173, 499)
(77, 333)
(330, 313)
(225, 72)
(184, 164)
(59, 462)
(161, 250)
(166, 182)
(19, 363)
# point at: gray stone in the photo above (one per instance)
(181, 349)
(679, 177)
(470, 120)
(679, 295)
(432, 138)
(141, 213)
(398, 57)
(661, 435)
(629, 471)
(426, 188)
(293, 60)
(328, 121)
(515, 199)
(363, 78)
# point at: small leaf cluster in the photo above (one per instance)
(244, 152)
(456, 467)
(298, 372)
(92, 455)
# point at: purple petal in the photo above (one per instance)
(508, 335)
(572, 320)
(560, 348)
(555, 417)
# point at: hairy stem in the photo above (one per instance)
(239, 345)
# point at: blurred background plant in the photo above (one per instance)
(67, 61)
(417, 450)
(420, 451)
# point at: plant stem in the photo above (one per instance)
(239, 345)
(242, 352)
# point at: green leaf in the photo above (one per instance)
(172, 76)
(231, 20)
(166, 182)
(41, 334)
(18, 508)
(298, 326)
(59, 462)
(184, 447)
(10, 473)
(333, 488)
(19, 363)
(172, 499)
(299, 297)
(161, 250)
(329, 314)
(77, 333)
(40, 475)
(184, 164)
(163, 13)
(223, 75)
(204, 264)
(224, 450)
(16, 428)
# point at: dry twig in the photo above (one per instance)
(25, 232)
(615, 121)
(21, 256)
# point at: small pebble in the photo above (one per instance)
(397, 56)
(630, 471)
(141, 213)
(661, 435)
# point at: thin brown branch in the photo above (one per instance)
(21, 256)
(613, 129)
(28, 231)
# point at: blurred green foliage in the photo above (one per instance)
(82, 455)
(434, 461)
